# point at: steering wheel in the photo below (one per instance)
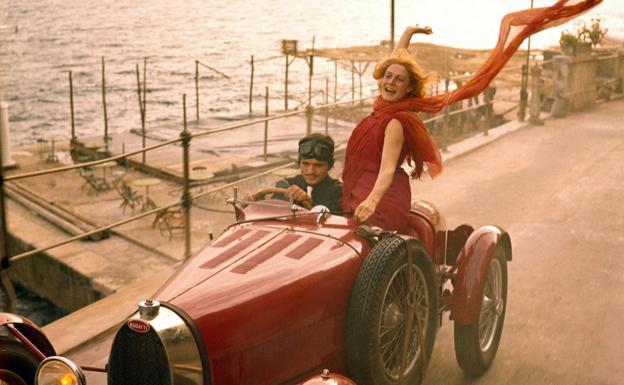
(307, 203)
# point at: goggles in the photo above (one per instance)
(315, 149)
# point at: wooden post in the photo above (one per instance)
(5, 282)
(335, 81)
(310, 74)
(125, 159)
(524, 96)
(391, 24)
(286, 85)
(266, 122)
(144, 88)
(197, 90)
(142, 112)
(186, 195)
(104, 101)
(71, 107)
(326, 107)
(251, 85)
(536, 97)
(445, 126)
(309, 109)
(309, 114)
(360, 80)
(488, 101)
(352, 81)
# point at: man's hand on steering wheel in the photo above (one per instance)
(298, 195)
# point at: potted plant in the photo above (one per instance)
(568, 42)
(582, 41)
(593, 35)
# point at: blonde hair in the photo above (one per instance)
(424, 82)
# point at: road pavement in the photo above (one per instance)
(557, 189)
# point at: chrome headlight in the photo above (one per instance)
(59, 371)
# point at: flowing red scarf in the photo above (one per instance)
(515, 27)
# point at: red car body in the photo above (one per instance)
(268, 301)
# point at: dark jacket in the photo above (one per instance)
(327, 193)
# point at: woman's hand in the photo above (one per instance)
(418, 29)
(404, 41)
(365, 209)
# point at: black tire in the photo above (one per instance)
(476, 344)
(379, 300)
(16, 362)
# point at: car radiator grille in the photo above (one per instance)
(138, 359)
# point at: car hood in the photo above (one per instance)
(257, 253)
(269, 289)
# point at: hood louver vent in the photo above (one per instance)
(235, 249)
(266, 253)
(304, 248)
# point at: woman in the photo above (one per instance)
(373, 177)
(375, 187)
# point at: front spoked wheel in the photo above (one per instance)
(394, 321)
(385, 343)
(476, 344)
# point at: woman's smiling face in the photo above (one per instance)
(395, 84)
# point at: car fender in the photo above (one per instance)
(29, 330)
(472, 265)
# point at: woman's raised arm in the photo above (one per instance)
(404, 41)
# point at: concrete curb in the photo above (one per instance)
(459, 149)
(92, 321)
(477, 141)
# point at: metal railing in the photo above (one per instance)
(185, 139)
(185, 201)
(187, 198)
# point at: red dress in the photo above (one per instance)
(363, 155)
(367, 138)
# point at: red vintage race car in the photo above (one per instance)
(286, 292)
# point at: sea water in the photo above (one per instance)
(42, 40)
(39, 310)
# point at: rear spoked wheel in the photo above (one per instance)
(476, 344)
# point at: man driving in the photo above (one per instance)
(316, 158)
